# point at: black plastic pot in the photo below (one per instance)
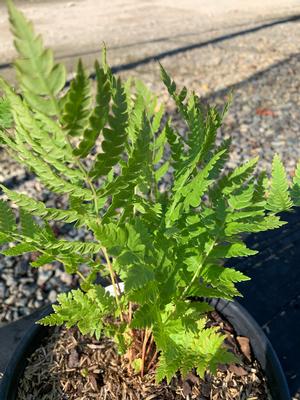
(240, 319)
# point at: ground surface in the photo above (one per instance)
(135, 30)
(212, 47)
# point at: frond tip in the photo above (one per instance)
(40, 79)
(279, 198)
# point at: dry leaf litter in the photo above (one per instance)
(70, 366)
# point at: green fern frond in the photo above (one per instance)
(39, 209)
(231, 250)
(122, 188)
(40, 79)
(212, 123)
(149, 100)
(198, 185)
(51, 179)
(158, 147)
(77, 103)
(109, 235)
(172, 89)
(144, 317)
(214, 274)
(42, 260)
(152, 212)
(138, 276)
(260, 189)
(279, 198)
(19, 249)
(196, 123)
(86, 310)
(254, 225)
(295, 191)
(176, 144)
(238, 176)
(115, 136)
(65, 246)
(135, 117)
(29, 227)
(242, 198)
(7, 218)
(28, 132)
(165, 369)
(99, 116)
(58, 143)
(5, 238)
(157, 120)
(6, 119)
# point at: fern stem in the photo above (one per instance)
(86, 175)
(129, 352)
(94, 194)
(113, 281)
(149, 346)
(81, 276)
(146, 337)
(152, 361)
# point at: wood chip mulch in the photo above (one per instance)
(70, 366)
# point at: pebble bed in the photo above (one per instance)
(263, 119)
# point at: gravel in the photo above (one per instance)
(23, 288)
(265, 114)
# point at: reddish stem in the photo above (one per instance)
(152, 361)
(146, 337)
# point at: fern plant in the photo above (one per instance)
(159, 249)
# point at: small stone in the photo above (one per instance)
(39, 295)
(66, 278)
(26, 280)
(30, 303)
(52, 296)
(16, 315)
(43, 276)
(10, 300)
(2, 266)
(38, 304)
(2, 290)
(21, 268)
(28, 290)
(9, 280)
(21, 302)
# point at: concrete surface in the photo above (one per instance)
(135, 29)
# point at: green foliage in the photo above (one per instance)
(167, 246)
(295, 192)
(86, 310)
(114, 136)
(279, 198)
(6, 120)
(202, 348)
(77, 103)
(7, 218)
(99, 114)
(40, 79)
